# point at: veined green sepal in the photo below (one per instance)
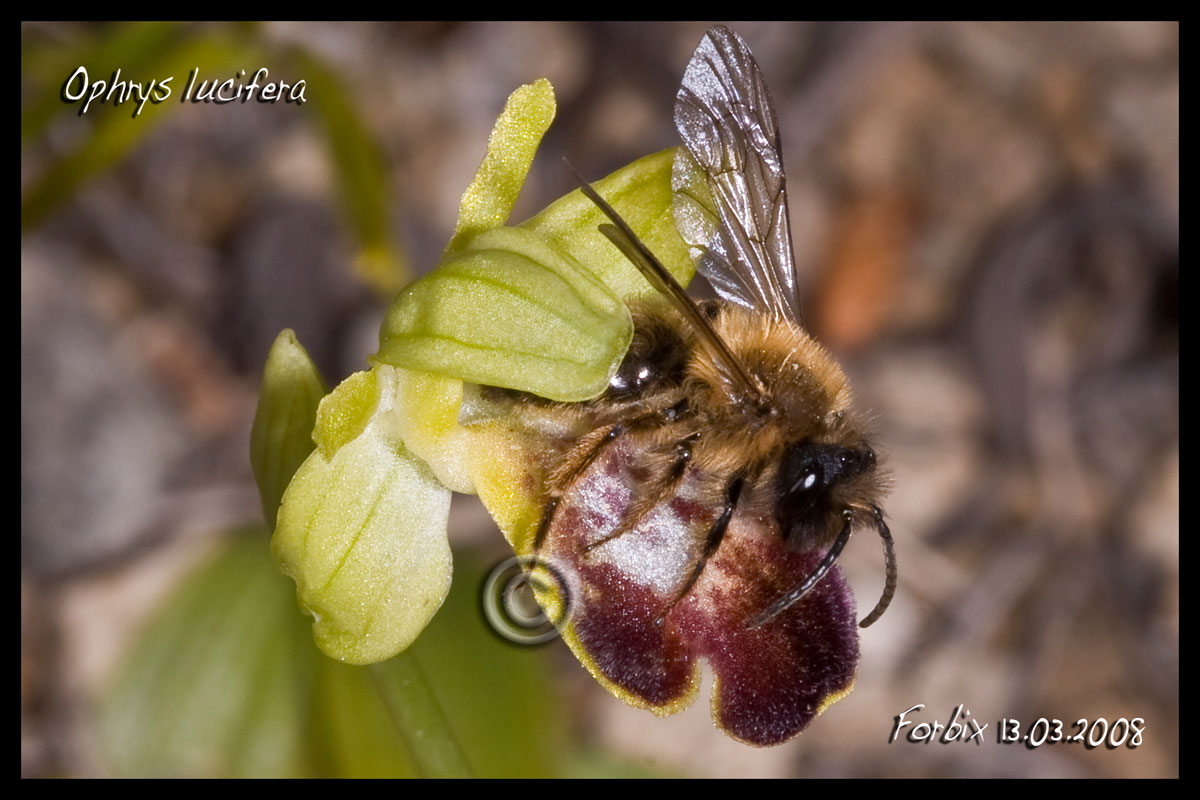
(510, 309)
(514, 140)
(641, 193)
(281, 437)
(363, 533)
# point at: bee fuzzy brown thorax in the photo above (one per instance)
(806, 395)
(702, 500)
(797, 454)
(803, 383)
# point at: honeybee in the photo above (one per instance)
(700, 503)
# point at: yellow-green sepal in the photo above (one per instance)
(362, 532)
(510, 309)
(281, 437)
(641, 193)
(514, 140)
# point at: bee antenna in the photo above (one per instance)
(889, 586)
(783, 603)
(658, 276)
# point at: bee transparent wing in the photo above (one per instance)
(730, 190)
(621, 235)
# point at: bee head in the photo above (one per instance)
(809, 474)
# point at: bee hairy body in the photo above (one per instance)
(697, 507)
(683, 424)
(678, 525)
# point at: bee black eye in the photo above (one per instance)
(806, 473)
(808, 481)
(656, 356)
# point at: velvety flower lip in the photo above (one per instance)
(630, 632)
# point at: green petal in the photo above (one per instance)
(641, 193)
(361, 170)
(287, 405)
(346, 412)
(510, 310)
(427, 420)
(489, 199)
(363, 534)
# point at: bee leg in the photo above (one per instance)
(889, 555)
(654, 495)
(582, 456)
(711, 543)
(579, 459)
(783, 603)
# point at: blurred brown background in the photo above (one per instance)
(987, 217)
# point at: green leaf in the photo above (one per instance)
(219, 683)
(353, 732)
(510, 309)
(460, 702)
(641, 193)
(361, 171)
(225, 682)
(281, 437)
(489, 199)
(363, 534)
(112, 132)
(132, 46)
(404, 689)
(498, 700)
